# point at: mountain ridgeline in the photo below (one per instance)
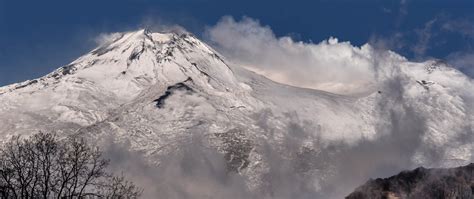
(453, 183)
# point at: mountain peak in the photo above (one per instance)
(132, 61)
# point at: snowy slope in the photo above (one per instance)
(156, 91)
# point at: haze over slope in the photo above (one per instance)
(186, 123)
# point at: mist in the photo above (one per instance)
(295, 161)
(299, 165)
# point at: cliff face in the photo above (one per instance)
(421, 183)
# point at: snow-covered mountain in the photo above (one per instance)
(157, 92)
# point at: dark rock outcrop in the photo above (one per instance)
(453, 183)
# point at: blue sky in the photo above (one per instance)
(39, 36)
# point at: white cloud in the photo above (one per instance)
(395, 41)
(464, 61)
(330, 65)
(464, 27)
(402, 13)
(105, 38)
(424, 37)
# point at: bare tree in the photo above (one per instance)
(44, 166)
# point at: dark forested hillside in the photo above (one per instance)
(456, 183)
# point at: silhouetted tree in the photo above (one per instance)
(44, 166)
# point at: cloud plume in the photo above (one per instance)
(329, 65)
